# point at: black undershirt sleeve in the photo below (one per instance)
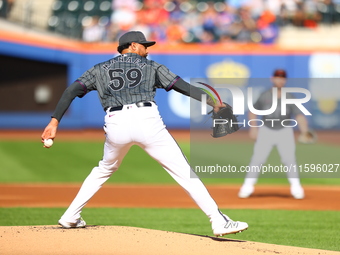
(74, 90)
(187, 89)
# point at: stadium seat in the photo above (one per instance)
(90, 7)
(105, 8)
(74, 6)
(3, 8)
(58, 6)
(337, 12)
(68, 16)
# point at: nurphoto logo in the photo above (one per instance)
(239, 103)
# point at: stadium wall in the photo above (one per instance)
(244, 62)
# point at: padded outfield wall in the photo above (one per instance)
(243, 62)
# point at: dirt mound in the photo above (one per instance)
(119, 240)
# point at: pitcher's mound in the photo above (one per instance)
(101, 240)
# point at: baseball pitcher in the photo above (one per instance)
(126, 86)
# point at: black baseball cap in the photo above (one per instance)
(280, 73)
(135, 36)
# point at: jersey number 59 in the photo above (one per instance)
(119, 78)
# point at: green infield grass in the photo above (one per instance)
(28, 161)
(309, 229)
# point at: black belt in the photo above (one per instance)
(139, 104)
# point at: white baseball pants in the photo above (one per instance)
(144, 127)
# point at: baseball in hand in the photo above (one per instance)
(48, 143)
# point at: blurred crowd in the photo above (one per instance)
(178, 21)
(203, 21)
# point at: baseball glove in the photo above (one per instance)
(224, 122)
(308, 137)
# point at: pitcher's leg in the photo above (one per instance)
(113, 156)
(167, 152)
(169, 155)
(161, 146)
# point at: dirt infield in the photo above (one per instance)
(168, 196)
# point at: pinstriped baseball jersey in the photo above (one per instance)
(127, 79)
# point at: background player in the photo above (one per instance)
(273, 134)
(126, 86)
